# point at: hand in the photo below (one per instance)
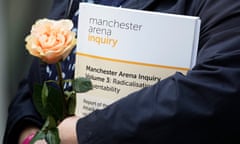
(67, 130)
(40, 142)
(26, 132)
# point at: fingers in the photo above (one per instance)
(40, 142)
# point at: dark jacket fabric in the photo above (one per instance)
(201, 107)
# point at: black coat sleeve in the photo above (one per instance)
(200, 107)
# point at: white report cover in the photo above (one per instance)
(123, 50)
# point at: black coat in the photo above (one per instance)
(199, 108)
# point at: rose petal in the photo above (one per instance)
(51, 40)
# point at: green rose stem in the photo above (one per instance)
(49, 131)
(61, 82)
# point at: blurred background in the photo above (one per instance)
(16, 18)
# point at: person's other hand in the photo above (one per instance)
(67, 130)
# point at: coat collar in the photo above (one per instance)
(137, 4)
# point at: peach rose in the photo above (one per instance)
(51, 40)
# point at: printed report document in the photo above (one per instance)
(123, 50)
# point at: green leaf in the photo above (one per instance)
(68, 94)
(49, 132)
(40, 135)
(54, 102)
(53, 136)
(71, 103)
(49, 123)
(50, 128)
(44, 94)
(37, 100)
(81, 85)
